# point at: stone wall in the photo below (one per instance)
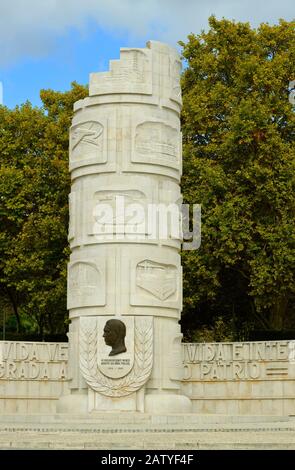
(254, 378)
(32, 376)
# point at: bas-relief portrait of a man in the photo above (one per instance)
(114, 335)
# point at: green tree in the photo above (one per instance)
(239, 164)
(34, 188)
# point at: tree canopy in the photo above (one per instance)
(239, 164)
(34, 188)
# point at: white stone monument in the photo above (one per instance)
(124, 275)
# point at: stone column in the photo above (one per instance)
(125, 164)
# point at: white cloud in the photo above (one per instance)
(33, 27)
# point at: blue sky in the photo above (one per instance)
(50, 43)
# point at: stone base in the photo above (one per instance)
(161, 404)
(124, 430)
(131, 403)
(141, 422)
(74, 403)
(153, 404)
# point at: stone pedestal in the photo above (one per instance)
(125, 164)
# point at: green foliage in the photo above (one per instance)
(219, 331)
(34, 188)
(239, 164)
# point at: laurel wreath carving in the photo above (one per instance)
(143, 360)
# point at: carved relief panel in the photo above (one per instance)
(125, 372)
(154, 283)
(86, 284)
(156, 142)
(120, 212)
(155, 146)
(88, 144)
(159, 280)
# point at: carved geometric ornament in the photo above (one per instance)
(158, 279)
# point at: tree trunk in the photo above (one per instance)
(261, 319)
(15, 309)
(278, 313)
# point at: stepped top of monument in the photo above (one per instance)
(153, 70)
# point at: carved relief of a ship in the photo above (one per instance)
(156, 139)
